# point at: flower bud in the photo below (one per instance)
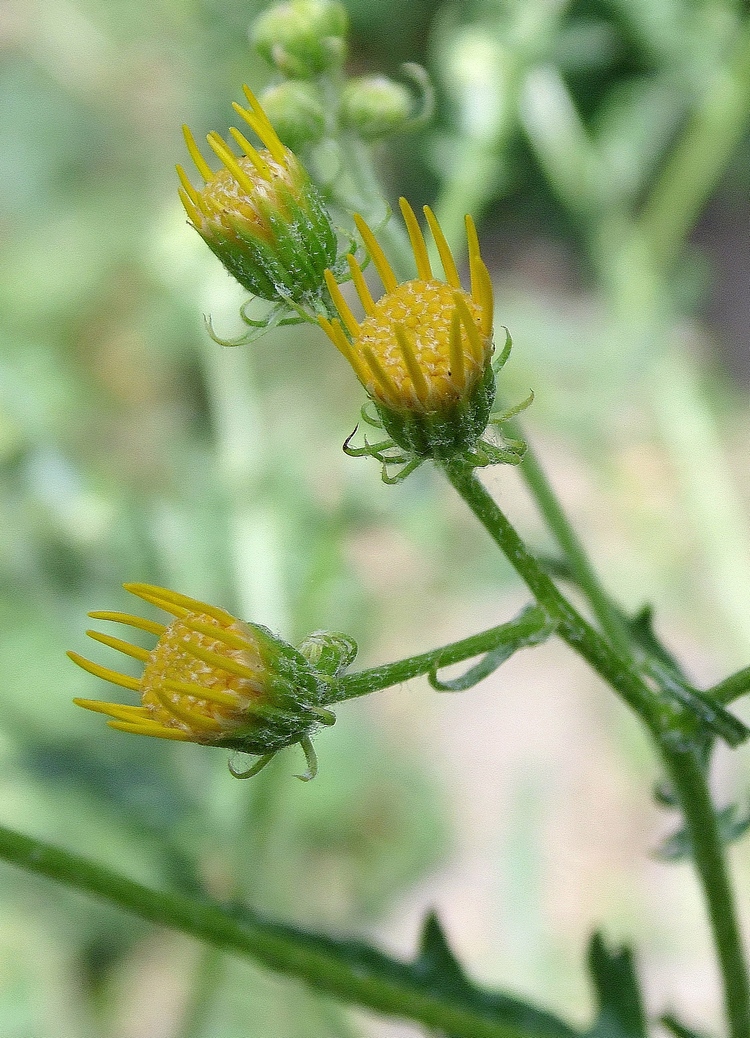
(423, 350)
(210, 679)
(375, 106)
(296, 112)
(260, 213)
(329, 652)
(302, 38)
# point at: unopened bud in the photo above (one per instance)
(302, 38)
(296, 111)
(375, 106)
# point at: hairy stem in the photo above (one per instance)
(530, 628)
(689, 781)
(343, 969)
(682, 761)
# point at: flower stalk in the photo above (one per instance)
(530, 628)
(345, 970)
(680, 755)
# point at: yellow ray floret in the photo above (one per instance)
(418, 245)
(174, 602)
(426, 343)
(158, 731)
(200, 163)
(210, 679)
(258, 121)
(197, 681)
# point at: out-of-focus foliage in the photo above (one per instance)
(134, 448)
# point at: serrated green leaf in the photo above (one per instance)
(430, 991)
(435, 957)
(641, 627)
(731, 823)
(620, 1005)
(438, 969)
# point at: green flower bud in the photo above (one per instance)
(375, 106)
(302, 38)
(329, 652)
(296, 111)
(260, 212)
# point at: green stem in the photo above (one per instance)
(343, 969)
(575, 554)
(682, 762)
(198, 1010)
(731, 688)
(571, 626)
(531, 627)
(695, 166)
(689, 781)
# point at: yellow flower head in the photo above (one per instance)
(423, 350)
(259, 212)
(210, 679)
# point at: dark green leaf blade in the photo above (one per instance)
(620, 1004)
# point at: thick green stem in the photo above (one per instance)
(530, 628)
(571, 626)
(689, 781)
(345, 970)
(682, 762)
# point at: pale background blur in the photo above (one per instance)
(134, 448)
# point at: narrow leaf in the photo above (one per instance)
(348, 970)
(679, 1030)
(642, 629)
(491, 660)
(488, 663)
(621, 1013)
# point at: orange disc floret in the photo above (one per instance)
(186, 680)
(423, 358)
(423, 350)
(210, 679)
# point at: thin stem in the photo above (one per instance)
(575, 554)
(361, 191)
(731, 688)
(198, 1010)
(572, 627)
(343, 969)
(695, 165)
(531, 626)
(689, 781)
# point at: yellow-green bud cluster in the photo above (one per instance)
(375, 106)
(303, 38)
(296, 111)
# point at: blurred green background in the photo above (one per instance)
(134, 448)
